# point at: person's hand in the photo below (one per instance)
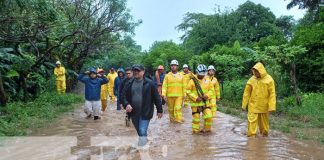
(129, 108)
(205, 97)
(164, 97)
(218, 99)
(86, 72)
(270, 112)
(243, 109)
(159, 115)
(99, 75)
(121, 106)
(199, 99)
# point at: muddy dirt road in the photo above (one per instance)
(74, 137)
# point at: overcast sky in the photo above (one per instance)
(160, 17)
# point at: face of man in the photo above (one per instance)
(160, 70)
(93, 75)
(58, 65)
(211, 72)
(120, 74)
(174, 68)
(256, 73)
(129, 74)
(185, 70)
(138, 74)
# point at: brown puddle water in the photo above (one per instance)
(75, 137)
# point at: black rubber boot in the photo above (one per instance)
(96, 117)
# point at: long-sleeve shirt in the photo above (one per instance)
(92, 86)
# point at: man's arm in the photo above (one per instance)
(190, 90)
(217, 90)
(82, 78)
(272, 97)
(63, 71)
(121, 87)
(246, 96)
(123, 98)
(165, 86)
(157, 78)
(104, 80)
(55, 72)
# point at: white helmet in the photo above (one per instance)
(201, 70)
(211, 67)
(185, 66)
(58, 62)
(174, 62)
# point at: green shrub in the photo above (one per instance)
(233, 90)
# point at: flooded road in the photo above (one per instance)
(75, 137)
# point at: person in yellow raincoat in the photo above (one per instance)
(173, 92)
(199, 91)
(216, 95)
(111, 81)
(59, 73)
(259, 99)
(103, 92)
(186, 76)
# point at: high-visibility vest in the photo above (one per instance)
(192, 93)
(173, 85)
(215, 84)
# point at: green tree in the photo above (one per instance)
(310, 65)
(248, 24)
(161, 53)
(287, 25)
(71, 31)
(254, 22)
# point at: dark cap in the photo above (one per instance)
(93, 70)
(138, 67)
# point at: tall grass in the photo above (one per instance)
(18, 117)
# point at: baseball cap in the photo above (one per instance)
(138, 67)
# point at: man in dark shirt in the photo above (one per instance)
(139, 97)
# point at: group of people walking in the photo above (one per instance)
(138, 95)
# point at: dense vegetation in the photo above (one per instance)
(36, 33)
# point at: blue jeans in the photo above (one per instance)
(141, 126)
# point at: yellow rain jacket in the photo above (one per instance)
(215, 85)
(59, 73)
(186, 78)
(111, 81)
(192, 93)
(173, 85)
(259, 94)
(104, 92)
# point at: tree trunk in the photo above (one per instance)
(294, 83)
(3, 94)
(22, 81)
